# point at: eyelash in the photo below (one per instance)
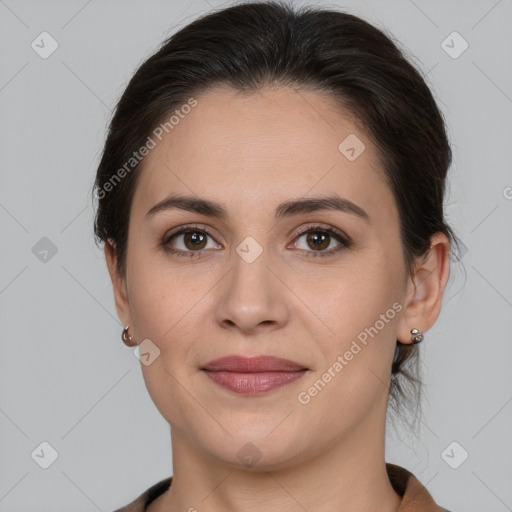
(344, 240)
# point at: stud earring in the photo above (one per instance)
(127, 338)
(416, 336)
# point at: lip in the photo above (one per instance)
(253, 364)
(253, 375)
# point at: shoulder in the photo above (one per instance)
(415, 496)
(140, 503)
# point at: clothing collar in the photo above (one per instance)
(415, 497)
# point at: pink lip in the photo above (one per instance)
(253, 375)
(253, 364)
(253, 383)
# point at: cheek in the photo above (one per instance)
(165, 310)
(159, 294)
(357, 359)
(362, 312)
(352, 298)
(170, 307)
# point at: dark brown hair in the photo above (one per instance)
(251, 45)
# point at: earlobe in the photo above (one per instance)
(425, 289)
(118, 283)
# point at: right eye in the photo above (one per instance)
(191, 241)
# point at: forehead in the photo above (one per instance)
(267, 146)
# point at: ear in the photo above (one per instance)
(118, 283)
(425, 289)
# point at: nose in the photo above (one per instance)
(252, 296)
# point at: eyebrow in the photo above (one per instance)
(287, 209)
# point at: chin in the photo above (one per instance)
(256, 453)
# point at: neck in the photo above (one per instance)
(351, 475)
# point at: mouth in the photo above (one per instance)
(253, 375)
(253, 364)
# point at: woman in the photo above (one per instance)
(270, 196)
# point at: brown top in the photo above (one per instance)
(415, 497)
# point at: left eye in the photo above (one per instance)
(319, 240)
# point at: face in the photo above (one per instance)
(322, 287)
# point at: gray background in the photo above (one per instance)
(66, 377)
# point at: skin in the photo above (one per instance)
(251, 153)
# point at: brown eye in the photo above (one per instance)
(194, 240)
(318, 240)
(188, 241)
